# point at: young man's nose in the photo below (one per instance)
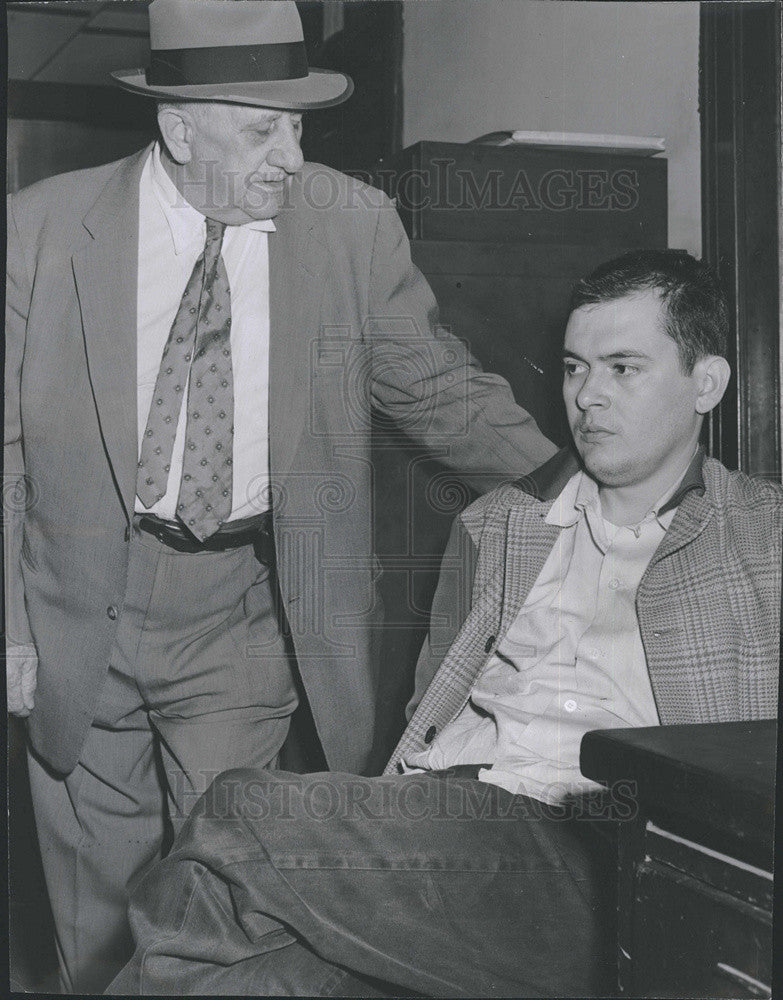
(592, 392)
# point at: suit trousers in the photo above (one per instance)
(199, 680)
(329, 884)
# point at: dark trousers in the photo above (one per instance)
(305, 885)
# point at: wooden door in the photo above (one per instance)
(740, 102)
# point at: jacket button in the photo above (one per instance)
(489, 644)
(429, 736)
(111, 611)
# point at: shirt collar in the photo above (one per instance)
(185, 223)
(574, 497)
(693, 480)
(581, 492)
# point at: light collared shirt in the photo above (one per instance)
(171, 238)
(571, 661)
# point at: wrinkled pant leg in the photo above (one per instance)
(98, 827)
(449, 888)
(201, 949)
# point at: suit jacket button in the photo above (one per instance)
(429, 736)
(111, 611)
(489, 644)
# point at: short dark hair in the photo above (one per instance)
(697, 317)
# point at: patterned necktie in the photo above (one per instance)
(201, 331)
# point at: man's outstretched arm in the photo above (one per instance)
(428, 383)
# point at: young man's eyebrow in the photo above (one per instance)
(614, 356)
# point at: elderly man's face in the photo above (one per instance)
(241, 160)
(632, 409)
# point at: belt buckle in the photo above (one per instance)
(165, 534)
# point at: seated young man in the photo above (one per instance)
(638, 586)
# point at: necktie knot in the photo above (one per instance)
(215, 231)
(214, 241)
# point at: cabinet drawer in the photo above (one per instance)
(692, 940)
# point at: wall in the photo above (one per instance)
(476, 66)
(37, 149)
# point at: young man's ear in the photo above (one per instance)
(712, 374)
(176, 128)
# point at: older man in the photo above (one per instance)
(642, 589)
(196, 338)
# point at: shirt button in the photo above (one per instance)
(595, 653)
(489, 643)
(111, 611)
(570, 705)
(614, 584)
(429, 736)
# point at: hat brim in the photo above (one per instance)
(321, 88)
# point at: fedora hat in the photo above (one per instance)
(242, 51)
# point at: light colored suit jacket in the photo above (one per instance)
(353, 328)
(708, 604)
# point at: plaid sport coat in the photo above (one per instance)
(708, 604)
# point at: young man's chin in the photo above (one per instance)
(606, 470)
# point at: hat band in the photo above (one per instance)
(227, 64)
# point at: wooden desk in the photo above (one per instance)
(695, 862)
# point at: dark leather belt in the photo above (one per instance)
(256, 531)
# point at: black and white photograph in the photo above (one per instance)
(393, 497)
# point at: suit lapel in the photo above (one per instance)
(529, 540)
(508, 568)
(106, 275)
(298, 266)
(692, 517)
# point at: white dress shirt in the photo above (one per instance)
(572, 660)
(171, 237)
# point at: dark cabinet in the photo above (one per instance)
(693, 939)
(519, 194)
(695, 862)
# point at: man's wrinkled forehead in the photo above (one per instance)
(236, 117)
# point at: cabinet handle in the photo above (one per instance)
(753, 986)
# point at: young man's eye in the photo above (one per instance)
(625, 370)
(573, 367)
